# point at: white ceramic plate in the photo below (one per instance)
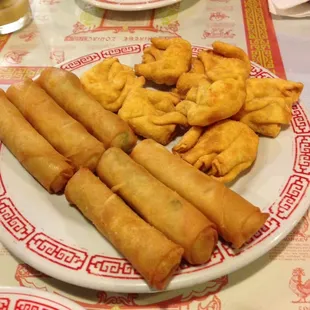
(131, 5)
(20, 298)
(48, 234)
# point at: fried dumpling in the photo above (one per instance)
(188, 140)
(225, 61)
(152, 114)
(191, 78)
(268, 105)
(165, 60)
(223, 151)
(209, 103)
(109, 82)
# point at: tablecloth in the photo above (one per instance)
(65, 29)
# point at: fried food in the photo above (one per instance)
(109, 82)
(37, 156)
(188, 81)
(191, 78)
(197, 66)
(148, 250)
(66, 89)
(188, 140)
(158, 205)
(165, 60)
(223, 151)
(152, 114)
(236, 219)
(268, 105)
(62, 131)
(210, 103)
(225, 61)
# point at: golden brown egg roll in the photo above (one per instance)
(37, 156)
(158, 205)
(62, 131)
(66, 89)
(154, 256)
(237, 219)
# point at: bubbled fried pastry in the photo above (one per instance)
(165, 60)
(223, 151)
(152, 114)
(109, 82)
(268, 105)
(190, 79)
(209, 103)
(225, 61)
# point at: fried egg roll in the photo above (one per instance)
(63, 132)
(66, 89)
(154, 256)
(237, 219)
(158, 205)
(37, 156)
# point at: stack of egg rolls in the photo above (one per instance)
(66, 89)
(237, 220)
(158, 205)
(154, 256)
(64, 133)
(38, 157)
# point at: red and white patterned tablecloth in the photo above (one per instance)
(64, 29)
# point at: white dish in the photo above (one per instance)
(43, 231)
(18, 298)
(131, 5)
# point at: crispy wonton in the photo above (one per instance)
(191, 78)
(223, 151)
(268, 104)
(165, 60)
(225, 61)
(152, 114)
(210, 103)
(109, 82)
(188, 140)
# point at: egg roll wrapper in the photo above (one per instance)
(158, 205)
(67, 90)
(154, 256)
(237, 220)
(38, 157)
(62, 131)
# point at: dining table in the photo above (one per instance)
(66, 29)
